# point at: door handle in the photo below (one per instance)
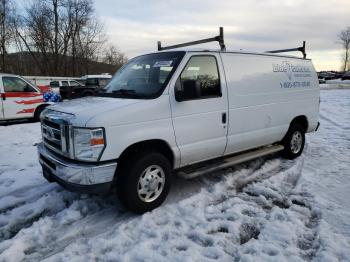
(223, 118)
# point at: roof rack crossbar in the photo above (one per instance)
(219, 38)
(301, 49)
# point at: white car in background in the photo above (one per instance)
(96, 81)
(19, 98)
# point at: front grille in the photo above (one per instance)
(52, 144)
(55, 132)
(52, 136)
(51, 124)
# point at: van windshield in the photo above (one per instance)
(143, 77)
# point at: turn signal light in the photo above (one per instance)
(97, 141)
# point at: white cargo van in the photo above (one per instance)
(170, 112)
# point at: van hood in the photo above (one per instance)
(88, 107)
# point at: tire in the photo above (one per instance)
(144, 181)
(294, 142)
(88, 93)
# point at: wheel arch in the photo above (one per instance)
(89, 92)
(301, 120)
(38, 109)
(158, 145)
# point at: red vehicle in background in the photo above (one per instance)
(20, 99)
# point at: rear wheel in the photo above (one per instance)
(87, 93)
(144, 181)
(294, 142)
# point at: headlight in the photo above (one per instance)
(88, 143)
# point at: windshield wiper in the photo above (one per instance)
(124, 91)
(128, 93)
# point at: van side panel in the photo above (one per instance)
(265, 93)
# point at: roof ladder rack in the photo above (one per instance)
(301, 49)
(219, 38)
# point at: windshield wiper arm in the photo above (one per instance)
(124, 91)
(127, 92)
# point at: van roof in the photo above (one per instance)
(206, 50)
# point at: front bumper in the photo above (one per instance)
(77, 176)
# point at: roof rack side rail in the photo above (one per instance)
(219, 38)
(301, 49)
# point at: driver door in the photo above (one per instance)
(20, 98)
(200, 117)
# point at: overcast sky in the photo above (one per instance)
(135, 25)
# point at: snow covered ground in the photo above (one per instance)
(268, 209)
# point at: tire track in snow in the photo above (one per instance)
(19, 217)
(334, 123)
(298, 202)
(24, 195)
(79, 218)
(89, 227)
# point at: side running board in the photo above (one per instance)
(230, 161)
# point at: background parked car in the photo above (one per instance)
(346, 76)
(96, 81)
(65, 87)
(19, 98)
(338, 75)
(70, 89)
(88, 85)
(327, 75)
(321, 81)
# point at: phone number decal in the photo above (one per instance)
(296, 84)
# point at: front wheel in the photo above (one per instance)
(144, 181)
(294, 142)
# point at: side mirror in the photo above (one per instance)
(187, 90)
(179, 92)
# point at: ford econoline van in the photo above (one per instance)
(172, 111)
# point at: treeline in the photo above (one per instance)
(56, 38)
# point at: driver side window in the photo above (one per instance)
(199, 79)
(15, 84)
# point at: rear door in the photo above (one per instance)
(200, 119)
(20, 98)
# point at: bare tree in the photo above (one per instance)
(113, 56)
(344, 39)
(61, 37)
(90, 42)
(7, 14)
